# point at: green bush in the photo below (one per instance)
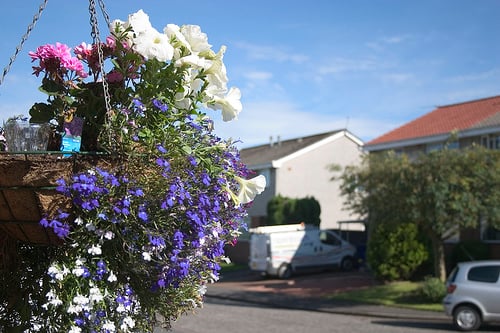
(284, 210)
(394, 251)
(432, 289)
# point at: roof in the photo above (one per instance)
(273, 151)
(445, 119)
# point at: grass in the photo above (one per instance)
(398, 294)
(231, 267)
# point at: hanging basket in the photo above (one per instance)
(28, 191)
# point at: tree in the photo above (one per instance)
(283, 210)
(441, 192)
(395, 253)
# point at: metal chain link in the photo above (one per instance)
(97, 41)
(23, 39)
(104, 13)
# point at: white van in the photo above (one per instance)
(284, 249)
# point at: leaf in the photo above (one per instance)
(41, 113)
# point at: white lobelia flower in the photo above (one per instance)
(146, 256)
(112, 277)
(152, 44)
(95, 294)
(95, 250)
(230, 105)
(128, 322)
(78, 271)
(250, 188)
(109, 326)
(75, 329)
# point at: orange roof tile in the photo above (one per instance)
(445, 119)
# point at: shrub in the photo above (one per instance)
(432, 289)
(394, 252)
(284, 210)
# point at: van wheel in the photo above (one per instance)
(347, 264)
(285, 271)
(466, 318)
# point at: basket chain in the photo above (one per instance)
(97, 41)
(23, 39)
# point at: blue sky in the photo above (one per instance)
(304, 67)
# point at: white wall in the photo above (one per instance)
(308, 175)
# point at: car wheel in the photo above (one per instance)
(285, 271)
(347, 264)
(466, 318)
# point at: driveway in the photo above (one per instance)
(303, 285)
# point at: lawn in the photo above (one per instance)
(398, 294)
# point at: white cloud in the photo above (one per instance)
(480, 76)
(258, 75)
(261, 120)
(340, 65)
(270, 53)
(381, 43)
(398, 78)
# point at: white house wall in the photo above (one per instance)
(308, 174)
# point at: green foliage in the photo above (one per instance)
(283, 210)
(432, 289)
(394, 253)
(440, 191)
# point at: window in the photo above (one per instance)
(328, 238)
(491, 141)
(484, 274)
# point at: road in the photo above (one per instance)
(220, 316)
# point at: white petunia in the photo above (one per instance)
(197, 39)
(230, 105)
(194, 61)
(139, 22)
(217, 73)
(179, 42)
(152, 44)
(250, 188)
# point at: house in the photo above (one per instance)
(467, 123)
(458, 126)
(299, 168)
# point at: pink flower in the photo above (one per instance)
(83, 51)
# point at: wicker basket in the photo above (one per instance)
(28, 192)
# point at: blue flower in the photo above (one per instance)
(160, 105)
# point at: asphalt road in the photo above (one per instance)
(219, 316)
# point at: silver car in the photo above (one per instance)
(473, 294)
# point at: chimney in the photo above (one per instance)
(271, 141)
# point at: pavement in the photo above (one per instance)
(307, 292)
